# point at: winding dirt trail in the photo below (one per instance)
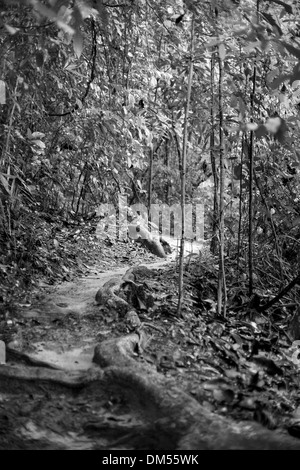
(78, 298)
(85, 385)
(75, 298)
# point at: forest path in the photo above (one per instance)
(146, 394)
(77, 298)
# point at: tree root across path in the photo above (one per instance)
(141, 234)
(165, 416)
(121, 402)
(126, 293)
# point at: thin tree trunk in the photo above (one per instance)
(183, 172)
(250, 213)
(251, 159)
(240, 212)
(167, 184)
(150, 181)
(221, 280)
(213, 244)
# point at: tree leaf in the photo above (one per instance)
(237, 171)
(79, 103)
(102, 12)
(39, 143)
(261, 131)
(273, 124)
(271, 75)
(78, 43)
(11, 29)
(296, 222)
(282, 132)
(45, 11)
(37, 135)
(252, 126)
(272, 22)
(2, 92)
(279, 80)
(65, 27)
(4, 182)
(222, 51)
(292, 50)
(39, 57)
(295, 74)
(287, 7)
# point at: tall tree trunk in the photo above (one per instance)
(221, 279)
(167, 184)
(183, 172)
(250, 209)
(240, 209)
(215, 216)
(251, 158)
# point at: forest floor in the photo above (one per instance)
(217, 378)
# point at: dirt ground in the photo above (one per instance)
(61, 394)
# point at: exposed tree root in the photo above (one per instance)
(114, 292)
(140, 234)
(179, 420)
(177, 415)
(17, 356)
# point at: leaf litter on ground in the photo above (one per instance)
(235, 366)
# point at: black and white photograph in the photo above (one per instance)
(150, 228)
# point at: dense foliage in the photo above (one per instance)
(92, 97)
